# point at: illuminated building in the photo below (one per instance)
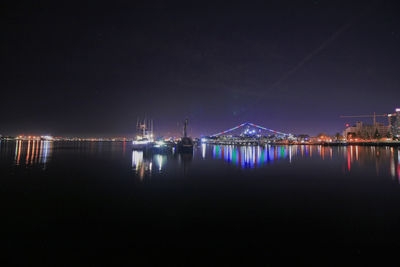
(395, 123)
(365, 131)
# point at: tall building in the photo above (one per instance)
(395, 123)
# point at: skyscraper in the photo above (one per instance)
(395, 122)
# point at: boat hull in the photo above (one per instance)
(185, 145)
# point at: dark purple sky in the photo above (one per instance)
(293, 66)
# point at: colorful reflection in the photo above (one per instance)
(381, 159)
(252, 156)
(398, 164)
(32, 152)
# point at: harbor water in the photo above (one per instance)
(90, 194)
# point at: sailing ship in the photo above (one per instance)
(186, 143)
(144, 138)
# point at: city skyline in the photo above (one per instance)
(176, 134)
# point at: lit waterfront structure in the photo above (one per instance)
(376, 130)
(72, 139)
(248, 133)
(365, 131)
(31, 137)
(395, 123)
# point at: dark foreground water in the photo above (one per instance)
(94, 195)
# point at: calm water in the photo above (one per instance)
(104, 194)
(352, 161)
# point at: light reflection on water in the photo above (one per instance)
(140, 167)
(145, 165)
(32, 153)
(142, 164)
(350, 159)
(255, 156)
(360, 156)
(379, 161)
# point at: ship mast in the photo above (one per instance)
(144, 128)
(185, 128)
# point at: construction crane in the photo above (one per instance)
(369, 116)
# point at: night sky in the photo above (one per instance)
(91, 69)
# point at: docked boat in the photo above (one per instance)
(144, 138)
(141, 144)
(186, 143)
